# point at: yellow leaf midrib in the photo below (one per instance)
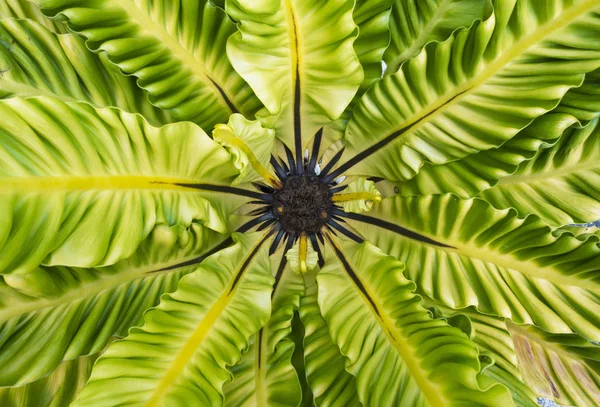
(295, 59)
(532, 270)
(398, 340)
(146, 23)
(92, 288)
(189, 349)
(65, 183)
(293, 39)
(422, 36)
(24, 90)
(431, 393)
(525, 267)
(191, 345)
(431, 111)
(548, 175)
(259, 373)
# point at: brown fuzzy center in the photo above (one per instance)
(302, 205)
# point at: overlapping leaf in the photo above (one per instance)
(494, 341)
(179, 356)
(325, 365)
(372, 20)
(521, 394)
(298, 361)
(466, 253)
(581, 230)
(398, 353)
(56, 390)
(37, 62)
(561, 184)
(265, 375)
(489, 332)
(83, 187)
(249, 143)
(480, 171)
(99, 222)
(68, 312)
(25, 9)
(299, 59)
(583, 102)
(476, 90)
(564, 368)
(175, 49)
(414, 23)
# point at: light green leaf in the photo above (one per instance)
(521, 394)
(372, 18)
(179, 357)
(37, 62)
(581, 230)
(249, 143)
(561, 184)
(480, 171)
(83, 187)
(265, 376)
(414, 23)
(494, 341)
(474, 91)
(398, 353)
(563, 368)
(297, 337)
(175, 49)
(488, 332)
(69, 312)
(56, 390)
(293, 257)
(364, 194)
(466, 253)
(298, 57)
(25, 9)
(326, 371)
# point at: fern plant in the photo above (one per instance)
(210, 203)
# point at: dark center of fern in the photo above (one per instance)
(302, 205)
